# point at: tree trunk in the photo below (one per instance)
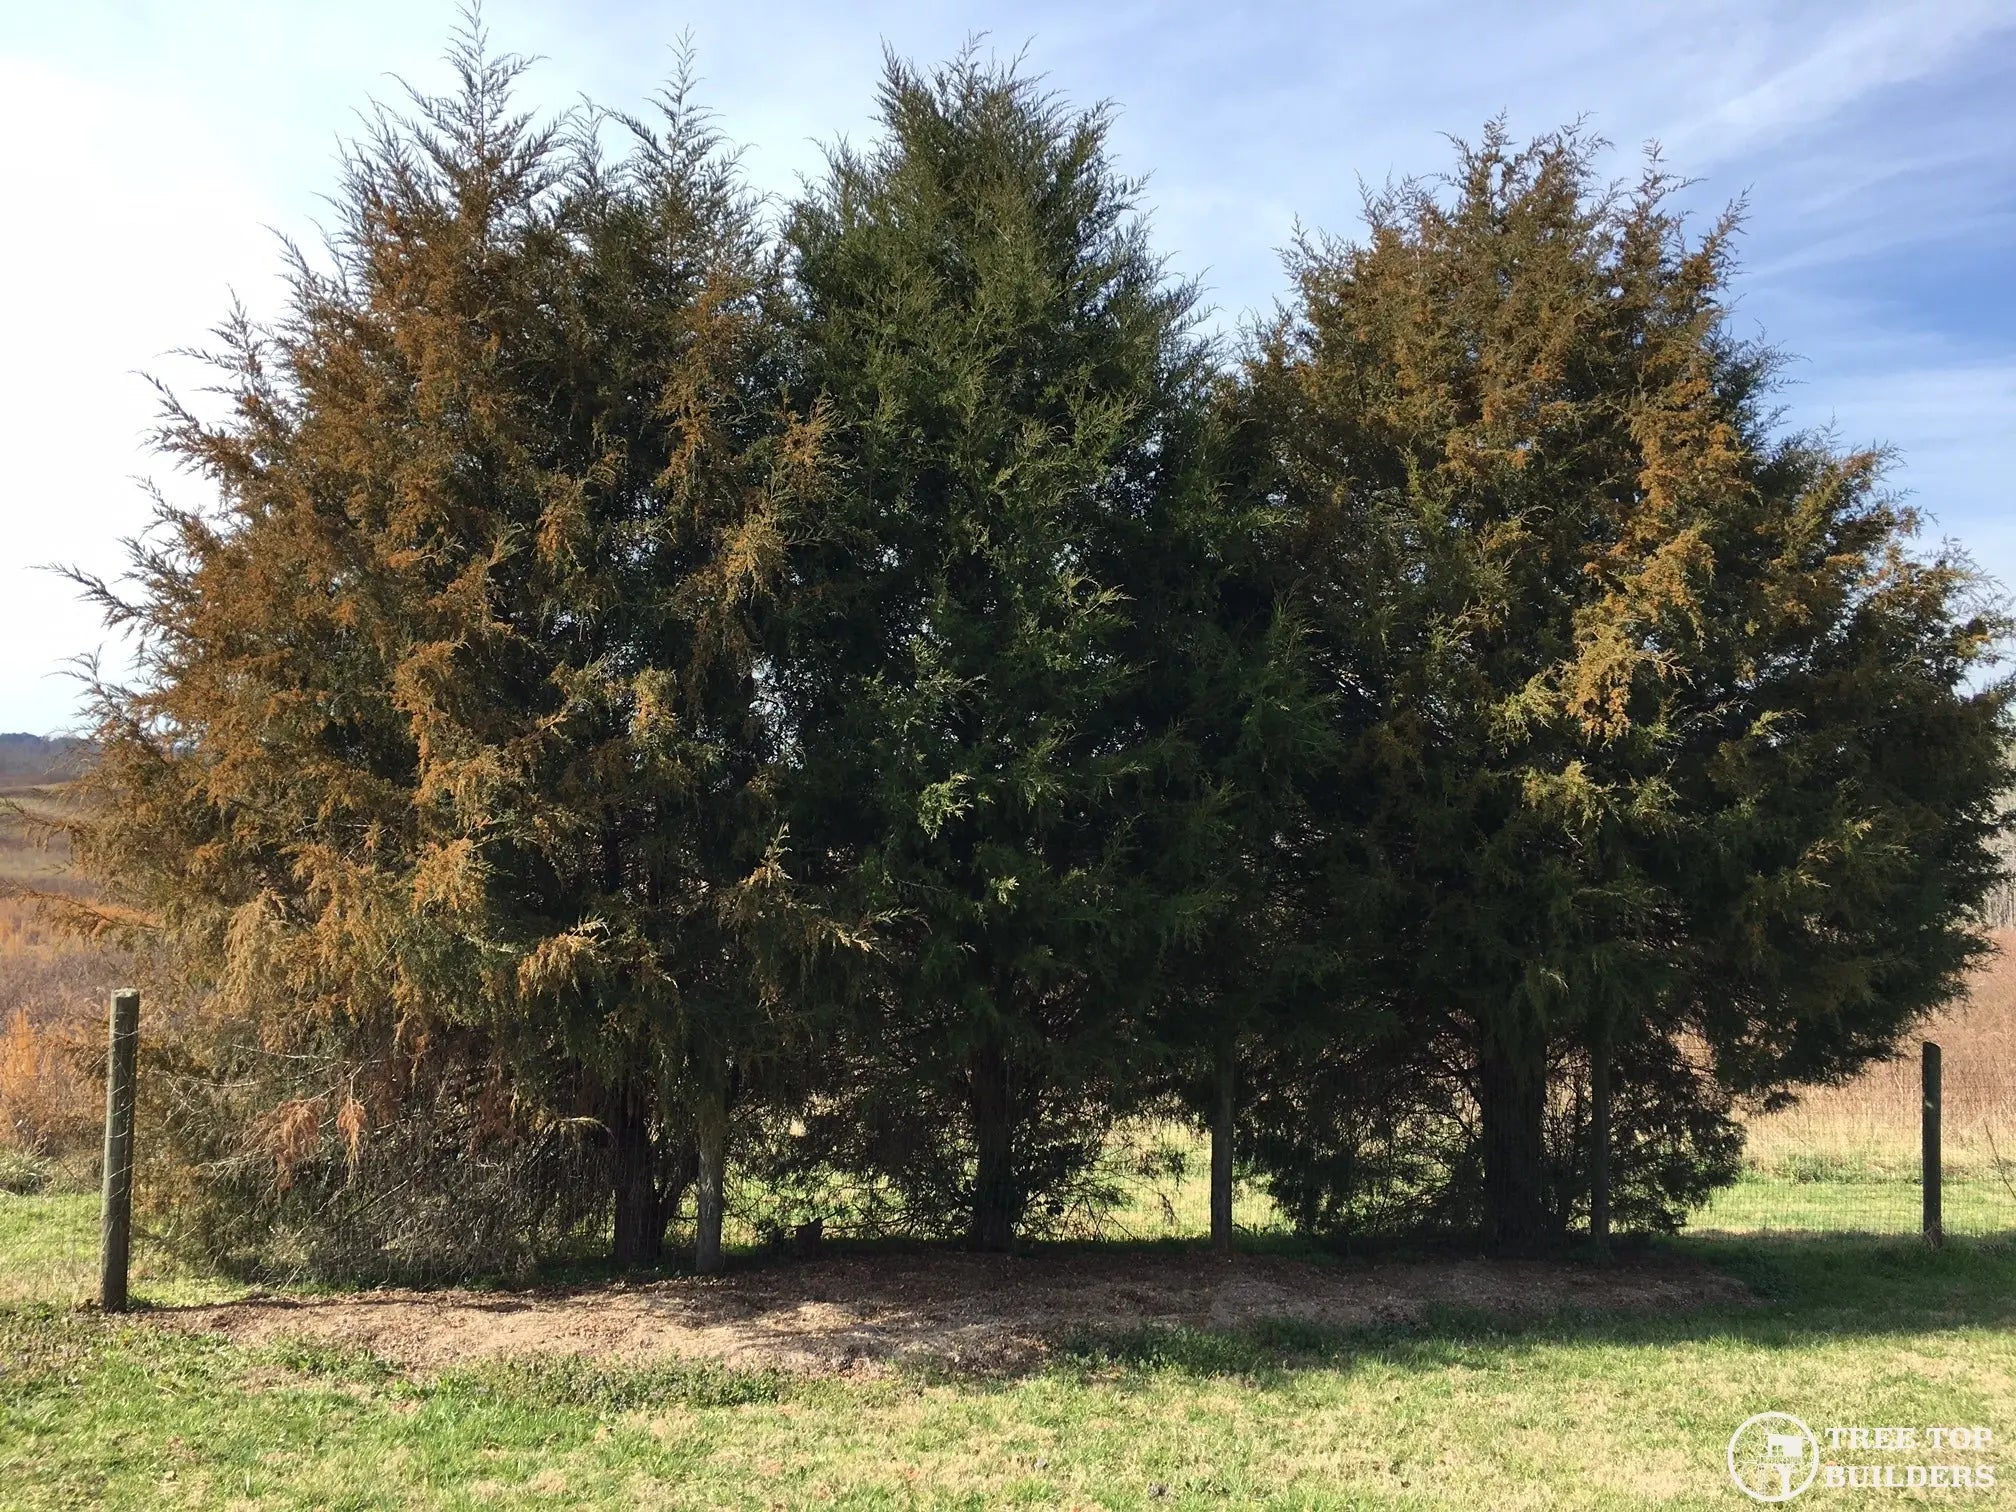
(1599, 1141)
(1221, 1147)
(640, 1212)
(1512, 1100)
(996, 1200)
(711, 1133)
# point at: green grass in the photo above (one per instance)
(1161, 1168)
(1848, 1199)
(1565, 1413)
(49, 1257)
(1571, 1412)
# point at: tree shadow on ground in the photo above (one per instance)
(1129, 1312)
(1803, 1291)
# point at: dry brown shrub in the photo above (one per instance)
(53, 983)
(49, 1103)
(338, 1154)
(352, 1123)
(294, 1135)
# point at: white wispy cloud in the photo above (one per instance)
(1872, 136)
(1818, 66)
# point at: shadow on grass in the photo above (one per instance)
(588, 1271)
(1807, 1290)
(1802, 1291)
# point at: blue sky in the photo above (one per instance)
(155, 147)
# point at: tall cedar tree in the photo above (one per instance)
(985, 673)
(447, 708)
(1655, 724)
(1250, 968)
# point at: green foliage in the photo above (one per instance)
(984, 742)
(1637, 698)
(1674, 1137)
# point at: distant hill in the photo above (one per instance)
(29, 759)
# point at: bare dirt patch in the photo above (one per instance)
(864, 1313)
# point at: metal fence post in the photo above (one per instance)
(117, 1221)
(1935, 1227)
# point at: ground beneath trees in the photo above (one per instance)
(866, 1313)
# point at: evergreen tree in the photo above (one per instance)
(447, 710)
(1655, 726)
(1251, 972)
(989, 755)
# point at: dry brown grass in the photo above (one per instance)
(48, 974)
(1872, 1123)
(48, 1098)
(31, 854)
(860, 1314)
(52, 988)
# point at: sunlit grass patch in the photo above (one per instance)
(1828, 1198)
(1454, 1411)
(49, 1255)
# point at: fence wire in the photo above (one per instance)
(1842, 1161)
(1849, 1159)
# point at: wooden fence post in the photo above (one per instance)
(1224, 1123)
(117, 1230)
(1935, 1226)
(1599, 1142)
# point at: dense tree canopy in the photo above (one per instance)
(1635, 693)
(985, 688)
(448, 713)
(883, 684)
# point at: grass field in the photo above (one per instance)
(1847, 1158)
(1763, 1204)
(1565, 1412)
(1568, 1411)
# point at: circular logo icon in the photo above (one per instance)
(1773, 1457)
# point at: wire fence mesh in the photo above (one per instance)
(1850, 1160)
(1840, 1161)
